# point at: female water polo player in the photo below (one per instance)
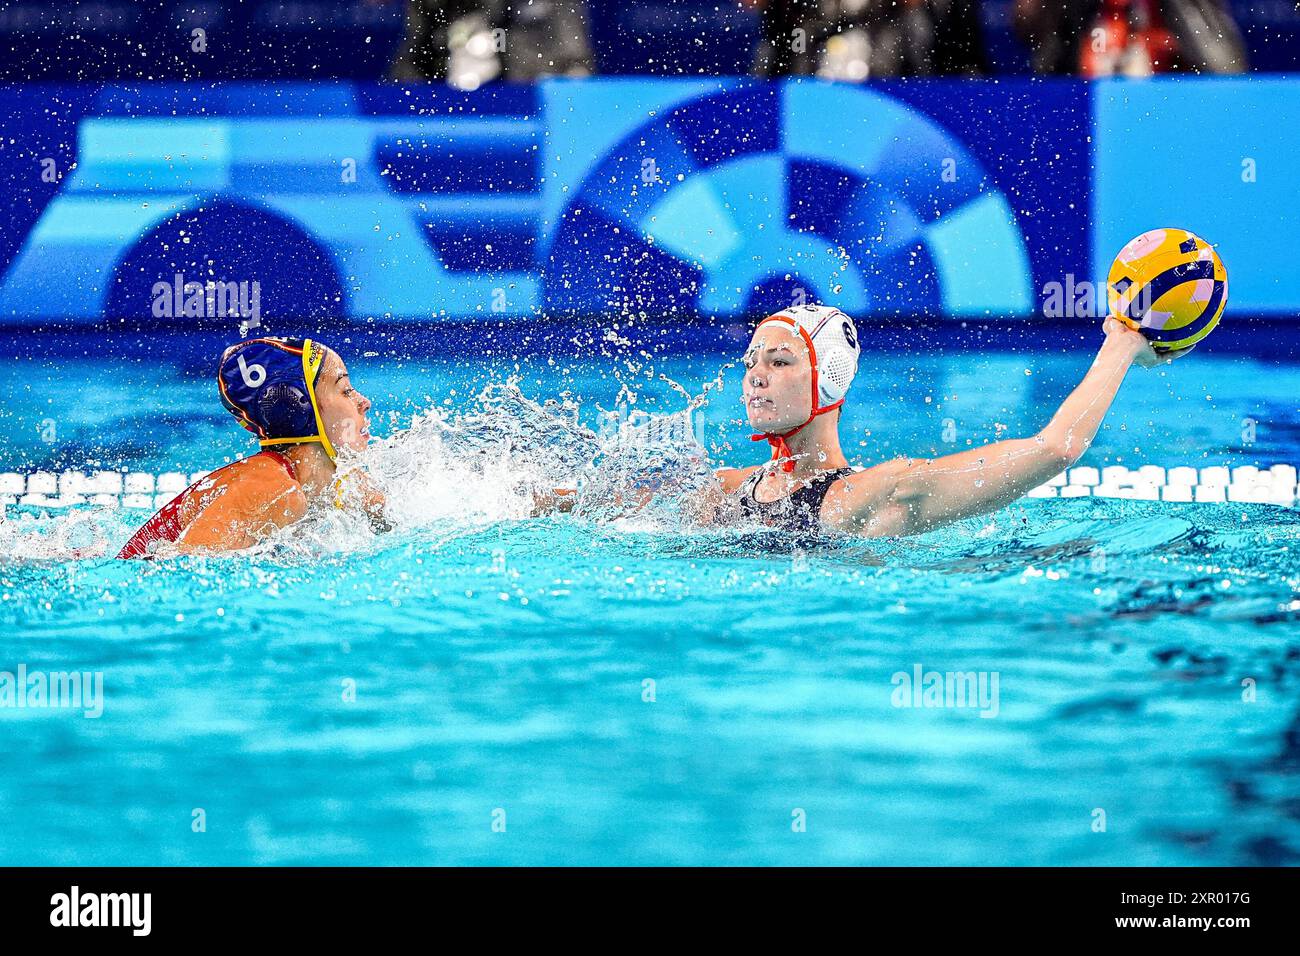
(295, 395)
(798, 369)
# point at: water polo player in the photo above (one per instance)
(798, 369)
(295, 395)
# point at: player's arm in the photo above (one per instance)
(564, 499)
(554, 500)
(708, 508)
(357, 490)
(911, 495)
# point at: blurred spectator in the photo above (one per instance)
(792, 33)
(1130, 37)
(855, 39)
(469, 42)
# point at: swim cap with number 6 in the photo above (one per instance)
(268, 384)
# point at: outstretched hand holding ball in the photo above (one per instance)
(1145, 355)
(1169, 286)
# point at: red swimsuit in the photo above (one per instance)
(168, 524)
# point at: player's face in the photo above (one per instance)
(778, 379)
(342, 408)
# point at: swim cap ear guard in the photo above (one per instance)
(832, 341)
(269, 385)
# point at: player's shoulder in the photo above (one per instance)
(861, 502)
(259, 478)
(733, 478)
(263, 467)
(865, 479)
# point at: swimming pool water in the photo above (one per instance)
(480, 687)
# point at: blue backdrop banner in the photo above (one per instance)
(660, 197)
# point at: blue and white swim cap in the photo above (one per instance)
(269, 385)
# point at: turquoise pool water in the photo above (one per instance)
(480, 687)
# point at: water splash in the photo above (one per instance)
(450, 472)
(75, 535)
(493, 461)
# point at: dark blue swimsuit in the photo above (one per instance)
(801, 510)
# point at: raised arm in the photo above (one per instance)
(911, 495)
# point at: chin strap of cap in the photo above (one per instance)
(779, 447)
(781, 450)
